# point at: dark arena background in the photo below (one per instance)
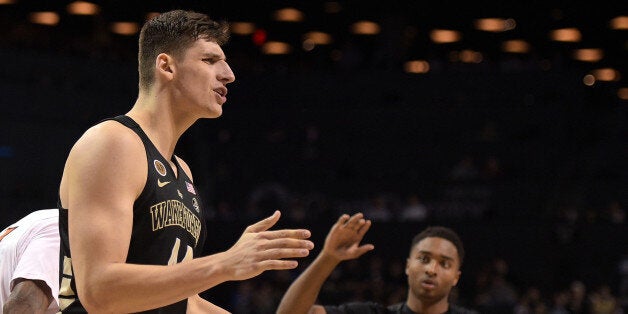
(512, 130)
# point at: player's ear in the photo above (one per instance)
(457, 278)
(164, 66)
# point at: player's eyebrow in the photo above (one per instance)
(440, 256)
(212, 55)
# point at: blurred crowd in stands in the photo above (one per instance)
(469, 192)
(377, 279)
(466, 199)
(528, 167)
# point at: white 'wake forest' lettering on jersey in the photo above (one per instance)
(174, 213)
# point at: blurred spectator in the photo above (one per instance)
(296, 211)
(566, 225)
(591, 215)
(488, 133)
(376, 270)
(492, 169)
(530, 302)
(561, 299)
(266, 298)
(498, 295)
(266, 197)
(578, 302)
(603, 302)
(378, 209)
(311, 150)
(242, 300)
(414, 210)
(464, 170)
(623, 281)
(224, 212)
(616, 213)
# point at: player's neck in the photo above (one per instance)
(426, 307)
(163, 125)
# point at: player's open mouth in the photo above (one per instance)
(222, 91)
(220, 94)
(428, 284)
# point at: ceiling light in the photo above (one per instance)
(620, 22)
(606, 74)
(622, 93)
(416, 66)
(516, 46)
(495, 24)
(443, 36)
(289, 15)
(276, 48)
(83, 8)
(365, 28)
(242, 28)
(318, 38)
(125, 28)
(588, 54)
(470, 56)
(44, 18)
(566, 35)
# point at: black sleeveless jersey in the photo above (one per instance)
(168, 224)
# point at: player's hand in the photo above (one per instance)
(259, 249)
(343, 240)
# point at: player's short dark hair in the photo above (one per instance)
(443, 233)
(172, 32)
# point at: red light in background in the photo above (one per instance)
(259, 37)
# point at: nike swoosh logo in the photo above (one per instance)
(162, 184)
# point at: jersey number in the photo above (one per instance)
(175, 253)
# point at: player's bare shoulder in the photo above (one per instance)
(185, 167)
(106, 152)
(109, 139)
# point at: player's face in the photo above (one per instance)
(201, 79)
(433, 268)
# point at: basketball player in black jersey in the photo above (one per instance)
(132, 223)
(432, 267)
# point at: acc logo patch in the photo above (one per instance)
(161, 169)
(195, 204)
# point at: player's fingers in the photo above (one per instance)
(281, 253)
(342, 220)
(278, 264)
(364, 248)
(288, 243)
(355, 221)
(264, 224)
(286, 233)
(364, 228)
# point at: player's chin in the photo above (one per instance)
(214, 113)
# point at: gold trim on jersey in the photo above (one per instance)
(66, 295)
